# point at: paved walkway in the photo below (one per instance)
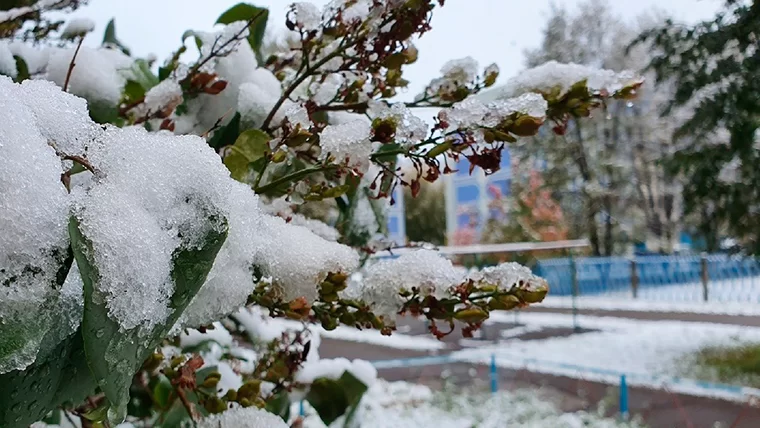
(658, 408)
(747, 320)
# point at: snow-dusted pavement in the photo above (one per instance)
(729, 296)
(402, 405)
(647, 352)
(628, 303)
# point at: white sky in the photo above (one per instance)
(488, 30)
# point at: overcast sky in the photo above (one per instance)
(488, 30)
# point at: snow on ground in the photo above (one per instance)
(647, 352)
(401, 404)
(735, 290)
(736, 296)
(628, 303)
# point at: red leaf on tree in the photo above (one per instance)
(216, 88)
(415, 187)
(186, 378)
(200, 80)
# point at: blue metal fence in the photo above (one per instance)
(674, 278)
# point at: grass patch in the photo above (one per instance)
(735, 365)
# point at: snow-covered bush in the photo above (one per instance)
(138, 206)
(397, 404)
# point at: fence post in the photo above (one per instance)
(576, 291)
(705, 276)
(634, 279)
(494, 375)
(623, 398)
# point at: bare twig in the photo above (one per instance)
(81, 161)
(215, 50)
(364, 105)
(292, 177)
(187, 404)
(307, 73)
(341, 107)
(217, 124)
(127, 107)
(71, 65)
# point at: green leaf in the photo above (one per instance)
(114, 355)
(133, 91)
(279, 405)
(103, 112)
(175, 417)
(21, 335)
(245, 12)
(32, 328)
(22, 70)
(143, 75)
(193, 34)
(109, 37)
(440, 148)
(186, 34)
(387, 153)
(97, 414)
(53, 418)
(227, 134)
(336, 191)
(249, 147)
(334, 398)
(164, 72)
(387, 180)
(162, 392)
(61, 376)
(141, 401)
(205, 346)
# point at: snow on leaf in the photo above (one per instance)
(554, 75)
(7, 62)
(33, 214)
(460, 71)
(310, 258)
(168, 93)
(96, 76)
(77, 27)
(347, 143)
(250, 417)
(307, 15)
(409, 128)
(425, 270)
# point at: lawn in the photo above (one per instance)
(739, 365)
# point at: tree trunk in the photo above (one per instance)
(592, 208)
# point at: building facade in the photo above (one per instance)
(396, 221)
(470, 200)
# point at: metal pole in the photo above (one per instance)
(494, 375)
(623, 398)
(634, 279)
(705, 276)
(574, 275)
